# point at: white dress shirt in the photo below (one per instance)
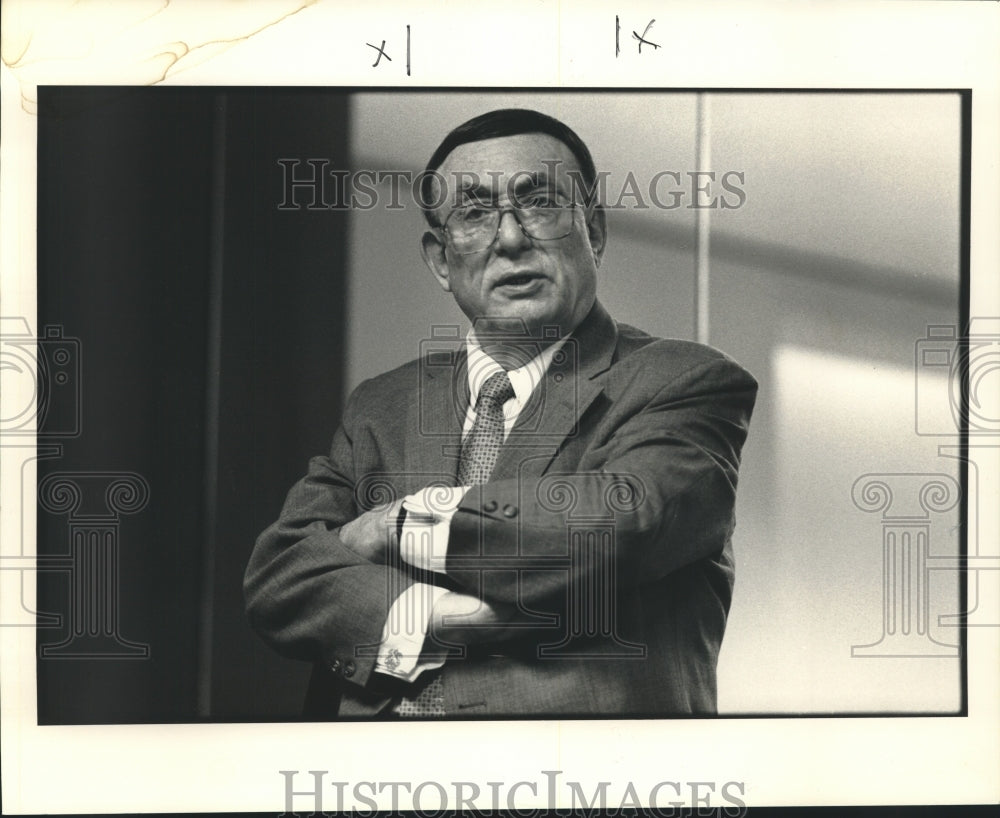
(424, 540)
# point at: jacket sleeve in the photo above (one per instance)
(664, 480)
(307, 594)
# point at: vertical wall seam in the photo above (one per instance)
(213, 373)
(702, 223)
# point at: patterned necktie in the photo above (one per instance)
(479, 456)
(480, 449)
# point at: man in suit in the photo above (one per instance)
(535, 520)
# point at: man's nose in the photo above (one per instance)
(510, 235)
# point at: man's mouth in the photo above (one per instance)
(519, 281)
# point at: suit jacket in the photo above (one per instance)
(607, 521)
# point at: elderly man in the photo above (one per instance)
(538, 521)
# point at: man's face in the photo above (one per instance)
(541, 282)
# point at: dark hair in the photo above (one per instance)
(505, 122)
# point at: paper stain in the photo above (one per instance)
(124, 42)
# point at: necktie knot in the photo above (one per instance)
(496, 391)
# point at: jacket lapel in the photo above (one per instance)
(569, 387)
(443, 395)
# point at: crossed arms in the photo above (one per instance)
(661, 451)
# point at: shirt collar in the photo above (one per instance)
(523, 379)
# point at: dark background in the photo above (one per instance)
(210, 327)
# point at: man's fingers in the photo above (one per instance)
(371, 533)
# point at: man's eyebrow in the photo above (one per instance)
(480, 190)
(531, 181)
(536, 181)
(473, 187)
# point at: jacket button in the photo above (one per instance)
(510, 511)
(349, 669)
(490, 505)
(335, 665)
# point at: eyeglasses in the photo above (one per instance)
(474, 227)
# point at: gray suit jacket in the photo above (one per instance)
(607, 521)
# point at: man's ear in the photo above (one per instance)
(432, 248)
(597, 230)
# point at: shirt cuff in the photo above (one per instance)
(423, 540)
(405, 631)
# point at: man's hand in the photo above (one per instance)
(373, 533)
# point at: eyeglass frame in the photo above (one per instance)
(512, 208)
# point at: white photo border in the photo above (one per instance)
(235, 767)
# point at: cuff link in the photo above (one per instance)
(391, 660)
